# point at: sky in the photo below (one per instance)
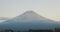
(47, 8)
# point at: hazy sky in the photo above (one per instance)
(46, 8)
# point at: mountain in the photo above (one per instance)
(29, 20)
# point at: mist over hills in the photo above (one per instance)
(29, 20)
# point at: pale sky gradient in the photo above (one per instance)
(46, 8)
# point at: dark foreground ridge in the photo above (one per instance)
(43, 30)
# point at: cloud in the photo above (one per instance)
(3, 18)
